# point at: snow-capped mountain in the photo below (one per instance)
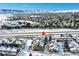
(12, 11)
(63, 11)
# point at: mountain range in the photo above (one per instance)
(12, 11)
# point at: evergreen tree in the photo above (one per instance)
(45, 40)
(50, 38)
(66, 45)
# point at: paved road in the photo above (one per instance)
(31, 34)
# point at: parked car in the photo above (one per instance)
(11, 47)
(53, 47)
(74, 47)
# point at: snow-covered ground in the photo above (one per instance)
(5, 16)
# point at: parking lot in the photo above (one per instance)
(50, 45)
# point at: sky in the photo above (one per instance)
(41, 6)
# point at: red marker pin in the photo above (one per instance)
(43, 34)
